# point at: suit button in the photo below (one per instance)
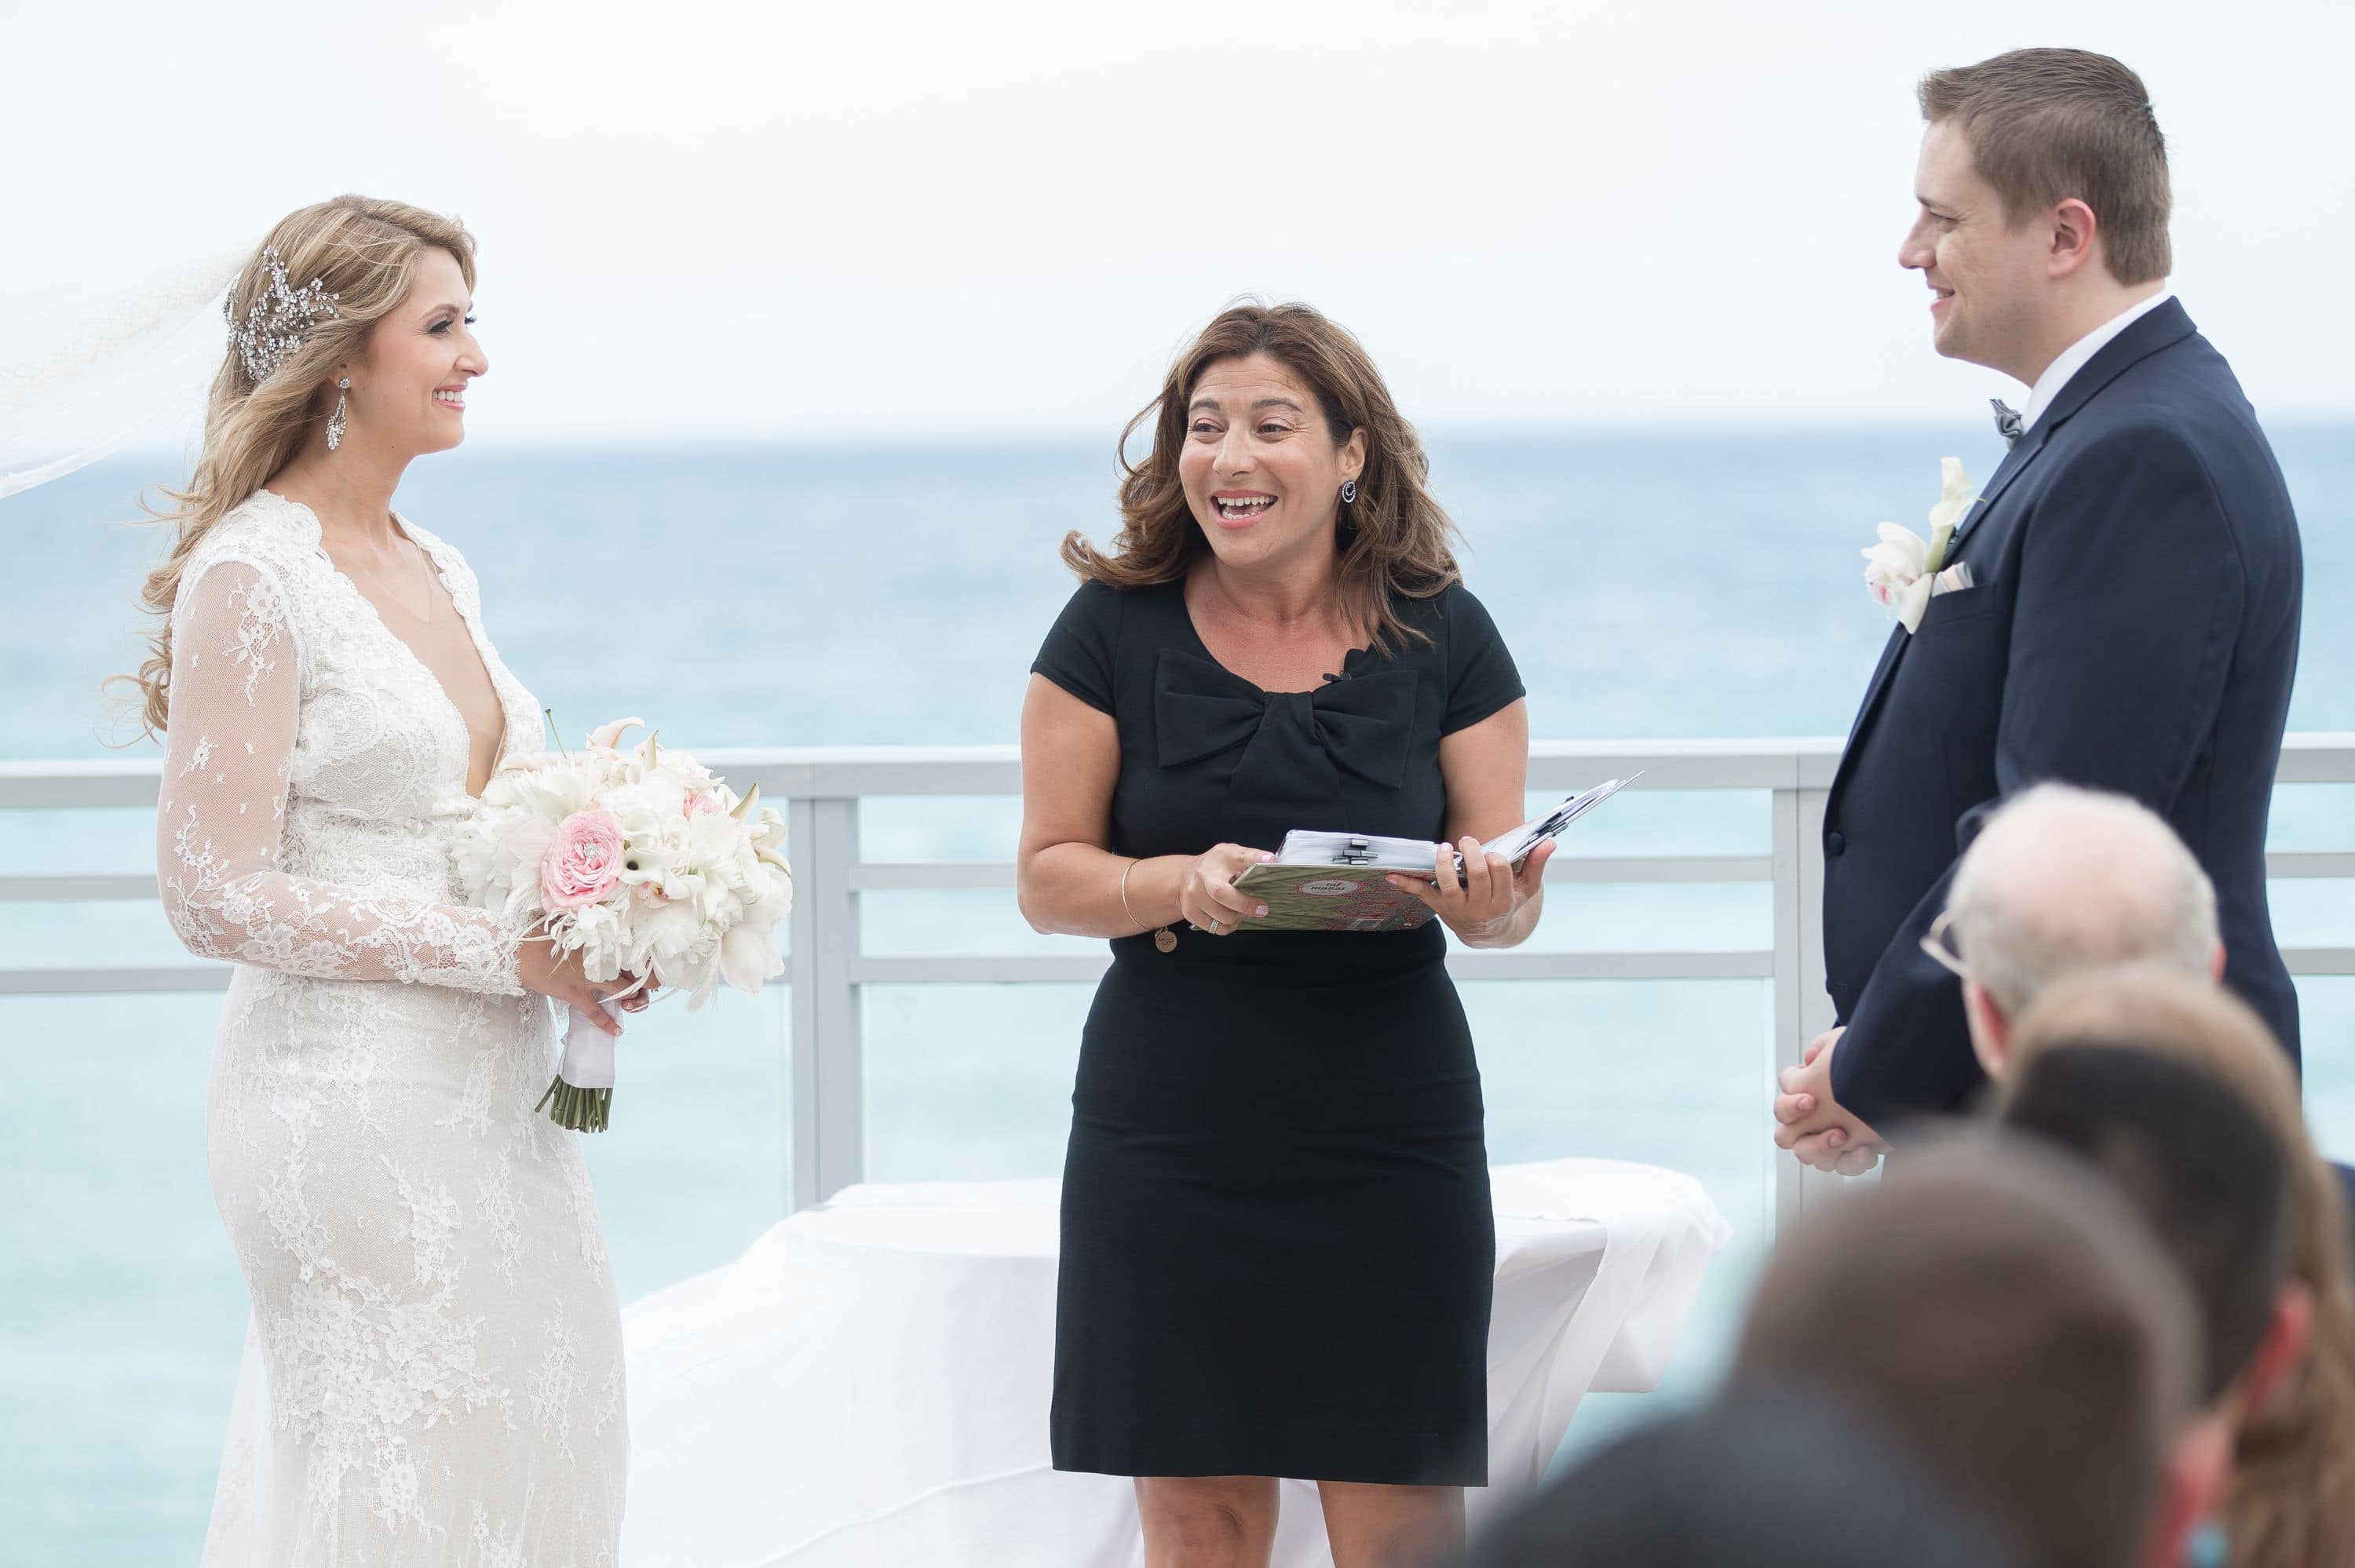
(1836, 841)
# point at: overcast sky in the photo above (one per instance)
(807, 221)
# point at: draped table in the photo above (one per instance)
(866, 1387)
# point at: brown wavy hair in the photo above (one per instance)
(1393, 540)
(2292, 1498)
(363, 251)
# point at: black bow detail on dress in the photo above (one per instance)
(1288, 745)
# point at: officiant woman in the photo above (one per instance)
(1277, 1242)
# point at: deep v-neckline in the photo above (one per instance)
(474, 637)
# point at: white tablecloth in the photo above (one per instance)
(866, 1387)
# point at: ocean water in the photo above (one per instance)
(1670, 584)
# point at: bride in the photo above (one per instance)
(432, 1305)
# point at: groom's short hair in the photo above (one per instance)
(2000, 1310)
(2048, 124)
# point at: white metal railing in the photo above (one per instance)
(822, 789)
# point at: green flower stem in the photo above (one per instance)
(580, 1110)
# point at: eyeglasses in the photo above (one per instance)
(1939, 945)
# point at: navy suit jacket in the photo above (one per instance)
(2134, 628)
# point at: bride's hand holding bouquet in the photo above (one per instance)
(636, 869)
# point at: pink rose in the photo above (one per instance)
(701, 805)
(584, 862)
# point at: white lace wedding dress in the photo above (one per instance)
(434, 1367)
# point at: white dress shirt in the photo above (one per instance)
(2072, 358)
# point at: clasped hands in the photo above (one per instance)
(1814, 1125)
(1479, 906)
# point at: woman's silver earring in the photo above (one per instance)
(335, 420)
(1348, 490)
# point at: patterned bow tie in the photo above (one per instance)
(2007, 422)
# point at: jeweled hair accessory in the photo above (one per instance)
(279, 320)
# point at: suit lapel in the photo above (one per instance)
(2145, 337)
(1890, 651)
(2166, 325)
(2015, 462)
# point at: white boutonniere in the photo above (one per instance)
(1905, 569)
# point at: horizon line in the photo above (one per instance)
(537, 444)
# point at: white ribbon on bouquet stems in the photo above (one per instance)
(588, 1061)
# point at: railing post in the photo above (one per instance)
(1790, 963)
(1802, 1009)
(1814, 1001)
(828, 1096)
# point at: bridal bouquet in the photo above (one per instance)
(643, 864)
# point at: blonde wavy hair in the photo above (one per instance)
(365, 252)
(2292, 1498)
(1393, 539)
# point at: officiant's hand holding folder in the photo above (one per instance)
(1338, 882)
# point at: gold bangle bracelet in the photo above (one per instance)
(1123, 898)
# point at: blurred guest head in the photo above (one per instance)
(1764, 1478)
(1277, 449)
(2209, 1175)
(2292, 1498)
(2062, 880)
(2008, 1318)
(2043, 203)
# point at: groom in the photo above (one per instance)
(2132, 622)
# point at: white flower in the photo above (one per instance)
(749, 957)
(704, 885)
(1954, 502)
(595, 932)
(1901, 572)
(1896, 573)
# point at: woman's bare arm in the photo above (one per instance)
(1486, 770)
(1066, 879)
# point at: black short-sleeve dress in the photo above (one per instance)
(1277, 1242)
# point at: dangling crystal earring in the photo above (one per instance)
(335, 420)
(1348, 490)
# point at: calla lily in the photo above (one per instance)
(744, 812)
(608, 737)
(1954, 503)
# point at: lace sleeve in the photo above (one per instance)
(228, 754)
